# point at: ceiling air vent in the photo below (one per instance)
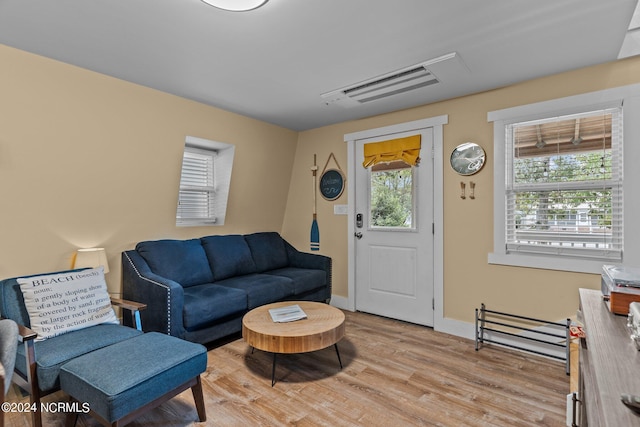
(400, 81)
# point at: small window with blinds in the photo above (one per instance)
(564, 186)
(196, 199)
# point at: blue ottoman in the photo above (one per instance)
(123, 380)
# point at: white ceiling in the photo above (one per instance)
(273, 63)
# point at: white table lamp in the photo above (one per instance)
(92, 258)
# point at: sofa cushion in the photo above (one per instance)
(228, 256)
(183, 261)
(261, 289)
(304, 279)
(268, 251)
(205, 304)
(62, 302)
(54, 352)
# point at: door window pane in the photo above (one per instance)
(392, 199)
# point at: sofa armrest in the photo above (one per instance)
(308, 260)
(163, 298)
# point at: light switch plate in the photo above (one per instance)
(340, 209)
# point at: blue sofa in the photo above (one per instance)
(199, 289)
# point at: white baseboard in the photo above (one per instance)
(552, 351)
(340, 302)
(467, 330)
(455, 327)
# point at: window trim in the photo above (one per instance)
(627, 96)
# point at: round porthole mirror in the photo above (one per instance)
(467, 158)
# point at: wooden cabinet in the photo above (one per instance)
(609, 366)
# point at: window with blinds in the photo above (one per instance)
(196, 199)
(564, 186)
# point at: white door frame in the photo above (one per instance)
(438, 202)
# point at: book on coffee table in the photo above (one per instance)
(288, 313)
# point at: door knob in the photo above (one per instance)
(358, 235)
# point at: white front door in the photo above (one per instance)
(394, 216)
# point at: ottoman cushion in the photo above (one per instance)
(125, 376)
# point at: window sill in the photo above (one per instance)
(197, 223)
(548, 262)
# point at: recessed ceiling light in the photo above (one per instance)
(236, 5)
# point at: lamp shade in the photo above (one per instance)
(236, 5)
(92, 258)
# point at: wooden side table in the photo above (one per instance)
(323, 327)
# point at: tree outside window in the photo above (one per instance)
(392, 195)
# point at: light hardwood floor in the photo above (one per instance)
(395, 374)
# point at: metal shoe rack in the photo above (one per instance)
(555, 335)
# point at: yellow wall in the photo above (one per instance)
(468, 229)
(88, 160)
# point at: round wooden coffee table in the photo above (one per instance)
(323, 327)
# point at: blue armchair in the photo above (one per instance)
(38, 363)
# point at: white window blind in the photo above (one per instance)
(564, 186)
(196, 199)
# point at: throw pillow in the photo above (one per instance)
(183, 261)
(268, 250)
(229, 256)
(64, 302)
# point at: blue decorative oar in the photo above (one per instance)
(315, 232)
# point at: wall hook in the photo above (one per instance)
(462, 190)
(472, 192)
